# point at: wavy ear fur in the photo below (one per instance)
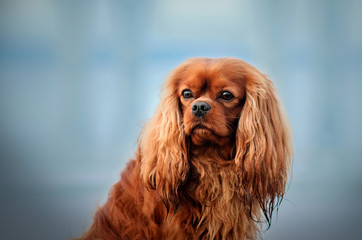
(164, 165)
(263, 144)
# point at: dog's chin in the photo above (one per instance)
(201, 136)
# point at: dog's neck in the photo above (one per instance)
(212, 152)
(206, 164)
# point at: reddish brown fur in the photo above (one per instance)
(213, 182)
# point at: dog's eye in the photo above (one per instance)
(187, 94)
(226, 95)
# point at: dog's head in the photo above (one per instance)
(222, 102)
(211, 96)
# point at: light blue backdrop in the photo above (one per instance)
(78, 78)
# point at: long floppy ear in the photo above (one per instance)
(263, 145)
(164, 165)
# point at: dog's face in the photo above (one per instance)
(211, 98)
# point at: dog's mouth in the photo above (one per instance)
(201, 127)
(204, 135)
(203, 130)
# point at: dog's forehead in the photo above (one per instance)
(210, 76)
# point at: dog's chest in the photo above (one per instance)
(213, 189)
(211, 207)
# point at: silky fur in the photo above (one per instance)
(186, 184)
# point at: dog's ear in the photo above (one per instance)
(263, 144)
(164, 165)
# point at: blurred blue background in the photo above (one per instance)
(79, 78)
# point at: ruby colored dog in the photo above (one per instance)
(212, 163)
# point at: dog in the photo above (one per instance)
(212, 163)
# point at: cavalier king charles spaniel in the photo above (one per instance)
(212, 162)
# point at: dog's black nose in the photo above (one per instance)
(199, 109)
